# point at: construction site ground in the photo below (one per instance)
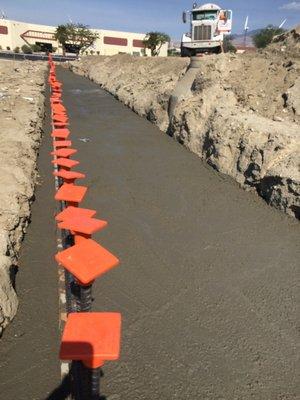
(208, 283)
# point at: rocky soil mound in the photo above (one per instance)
(288, 43)
(21, 116)
(241, 114)
(243, 119)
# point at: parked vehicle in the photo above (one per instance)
(208, 25)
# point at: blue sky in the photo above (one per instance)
(143, 16)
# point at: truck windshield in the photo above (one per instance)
(201, 15)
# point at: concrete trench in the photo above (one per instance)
(231, 120)
(208, 285)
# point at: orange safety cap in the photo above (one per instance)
(56, 100)
(60, 133)
(59, 125)
(58, 108)
(92, 338)
(60, 118)
(87, 260)
(73, 212)
(64, 152)
(71, 193)
(62, 143)
(84, 225)
(65, 162)
(65, 174)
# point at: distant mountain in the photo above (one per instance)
(239, 39)
(250, 33)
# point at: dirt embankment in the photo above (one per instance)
(241, 114)
(22, 86)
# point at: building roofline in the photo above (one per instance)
(54, 27)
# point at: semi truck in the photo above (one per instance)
(209, 23)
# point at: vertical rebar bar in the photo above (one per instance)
(90, 381)
(95, 383)
(72, 290)
(85, 302)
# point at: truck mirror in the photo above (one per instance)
(184, 17)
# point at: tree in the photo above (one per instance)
(62, 36)
(265, 36)
(228, 45)
(154, 41)
(26, 49)
(36, 48)
(77, 36)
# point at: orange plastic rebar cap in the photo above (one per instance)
(73, 212)
(60, 118)
(58, 108)
(65, 162)
(71, 193)
(64, 152)
(83, 225)
(60, 133)
(62, 143)
(65, 174)
(59, 125)
(92, 338)
(87, 260)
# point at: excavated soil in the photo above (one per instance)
(241, 114)
(21, 116)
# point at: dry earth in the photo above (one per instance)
(242, 114)
(21, 116)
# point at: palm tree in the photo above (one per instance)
(62, 36)
(154, 41)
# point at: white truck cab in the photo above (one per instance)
(208, 25)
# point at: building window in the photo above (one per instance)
(138, 43)
(115, 41)
(72, 48)
(45, 47)
(3, 30)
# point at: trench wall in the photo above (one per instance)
(22, 86)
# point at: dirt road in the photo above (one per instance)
(208, 285)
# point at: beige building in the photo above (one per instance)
(15, 34)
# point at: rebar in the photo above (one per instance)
(85, 301)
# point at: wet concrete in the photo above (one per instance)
(29, 366)
(208, 285)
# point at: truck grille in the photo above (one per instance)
(202, 32)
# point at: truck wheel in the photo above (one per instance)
(218, 50)
(185, 52)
